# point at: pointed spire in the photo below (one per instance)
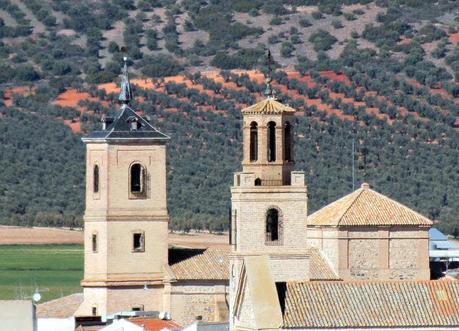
(269, 92)
(126, 93)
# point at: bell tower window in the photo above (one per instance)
(138, 242)
(253, 141)
(94, 242)
(95, 179)
(137, 181)
(288, 142)
(271, 142)
(272, 225)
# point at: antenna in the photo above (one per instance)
(268, 79)
(353, 164)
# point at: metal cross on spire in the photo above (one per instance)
(126, 92)
(269, 92)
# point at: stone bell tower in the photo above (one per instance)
(269, 200)
(126, 219)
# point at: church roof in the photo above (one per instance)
(121, 128)
(127, 125)
(213, 264)
(371, 304)
(61, 307)
(268, 106)
(365, 207)
(319, 269)
(199, 264)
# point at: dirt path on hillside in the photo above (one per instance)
(10, 235)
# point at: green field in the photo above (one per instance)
(56, 270)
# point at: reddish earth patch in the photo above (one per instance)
(72, 97)
(375, 112)
(440, 91)
(74, 125)
(340, 77)
(109, 88)
(454, 38)
(404, 41)
(304, 79)
(22, 90)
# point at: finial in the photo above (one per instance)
(268, 79)
(365, 186)
(126, 93)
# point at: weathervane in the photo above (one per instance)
(126, 93)
(269, 92)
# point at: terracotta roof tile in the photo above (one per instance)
(210, 263)
(151, 324)
(371, 304)
(268, 106)
(365, 207)
(60, 308)
(319, 268)
(213, 264)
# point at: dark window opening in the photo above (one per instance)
(281, 288)
(272, 225)
(94, 242)
(138, 242)
(96, 179)
(258, 182)
(94, 311)
(136, 178)
(137, 308)
(253, 141)
(288, 142)
(271, 142)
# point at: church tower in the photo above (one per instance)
(126, 218)
(269, 200)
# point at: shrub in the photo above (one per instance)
(322, 40)
(337, 24)
(159, 66)
(276, 20)
(287, 49)
(305, 22)
(317, 15)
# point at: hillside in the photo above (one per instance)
(379, 73)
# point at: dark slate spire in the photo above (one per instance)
(268, 79)
(126, 125)
(126, 92)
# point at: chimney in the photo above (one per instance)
(106, 121)
(365, 186)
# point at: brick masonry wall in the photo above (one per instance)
(206, 299)
(119, 299)
(286, 269)
(375, 253)
(364, 258)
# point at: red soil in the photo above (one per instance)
(72, 97)
(454, 38)
(404, 41)
(22, 90)
(340, 77)
(74, 125)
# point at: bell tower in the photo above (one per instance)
(269, 200)
(126, 218)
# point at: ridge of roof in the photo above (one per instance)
(269, 105)
(339, 216)
(120, 128)
(366, 207)
(402, 206)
